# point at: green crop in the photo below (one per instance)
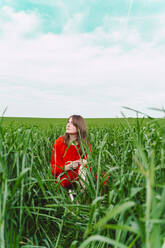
(128, 210)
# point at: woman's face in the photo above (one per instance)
(70, 128)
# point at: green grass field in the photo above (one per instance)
(128, 211)
(46, 122)
(61, 122)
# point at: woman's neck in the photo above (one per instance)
(72, 137)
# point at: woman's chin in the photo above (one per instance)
(67, 132)
(71, 133)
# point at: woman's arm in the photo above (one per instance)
(57, 163)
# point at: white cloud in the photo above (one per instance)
(56, 75)
(16, 24)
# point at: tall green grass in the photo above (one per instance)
(127, 211)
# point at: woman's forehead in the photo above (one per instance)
(70, 119)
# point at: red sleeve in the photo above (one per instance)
(57, 163)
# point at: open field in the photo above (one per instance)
(91, 122)
(127, 211)
(47, 122)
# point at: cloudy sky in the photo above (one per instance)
(87, 57)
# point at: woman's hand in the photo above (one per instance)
(75, 164)
(84, 162)
(68, 167)
(72, 165)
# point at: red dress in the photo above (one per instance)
(60, 157)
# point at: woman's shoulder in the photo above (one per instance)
(60, 140)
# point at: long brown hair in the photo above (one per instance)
(82, 135)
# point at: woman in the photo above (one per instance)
(68, 160)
